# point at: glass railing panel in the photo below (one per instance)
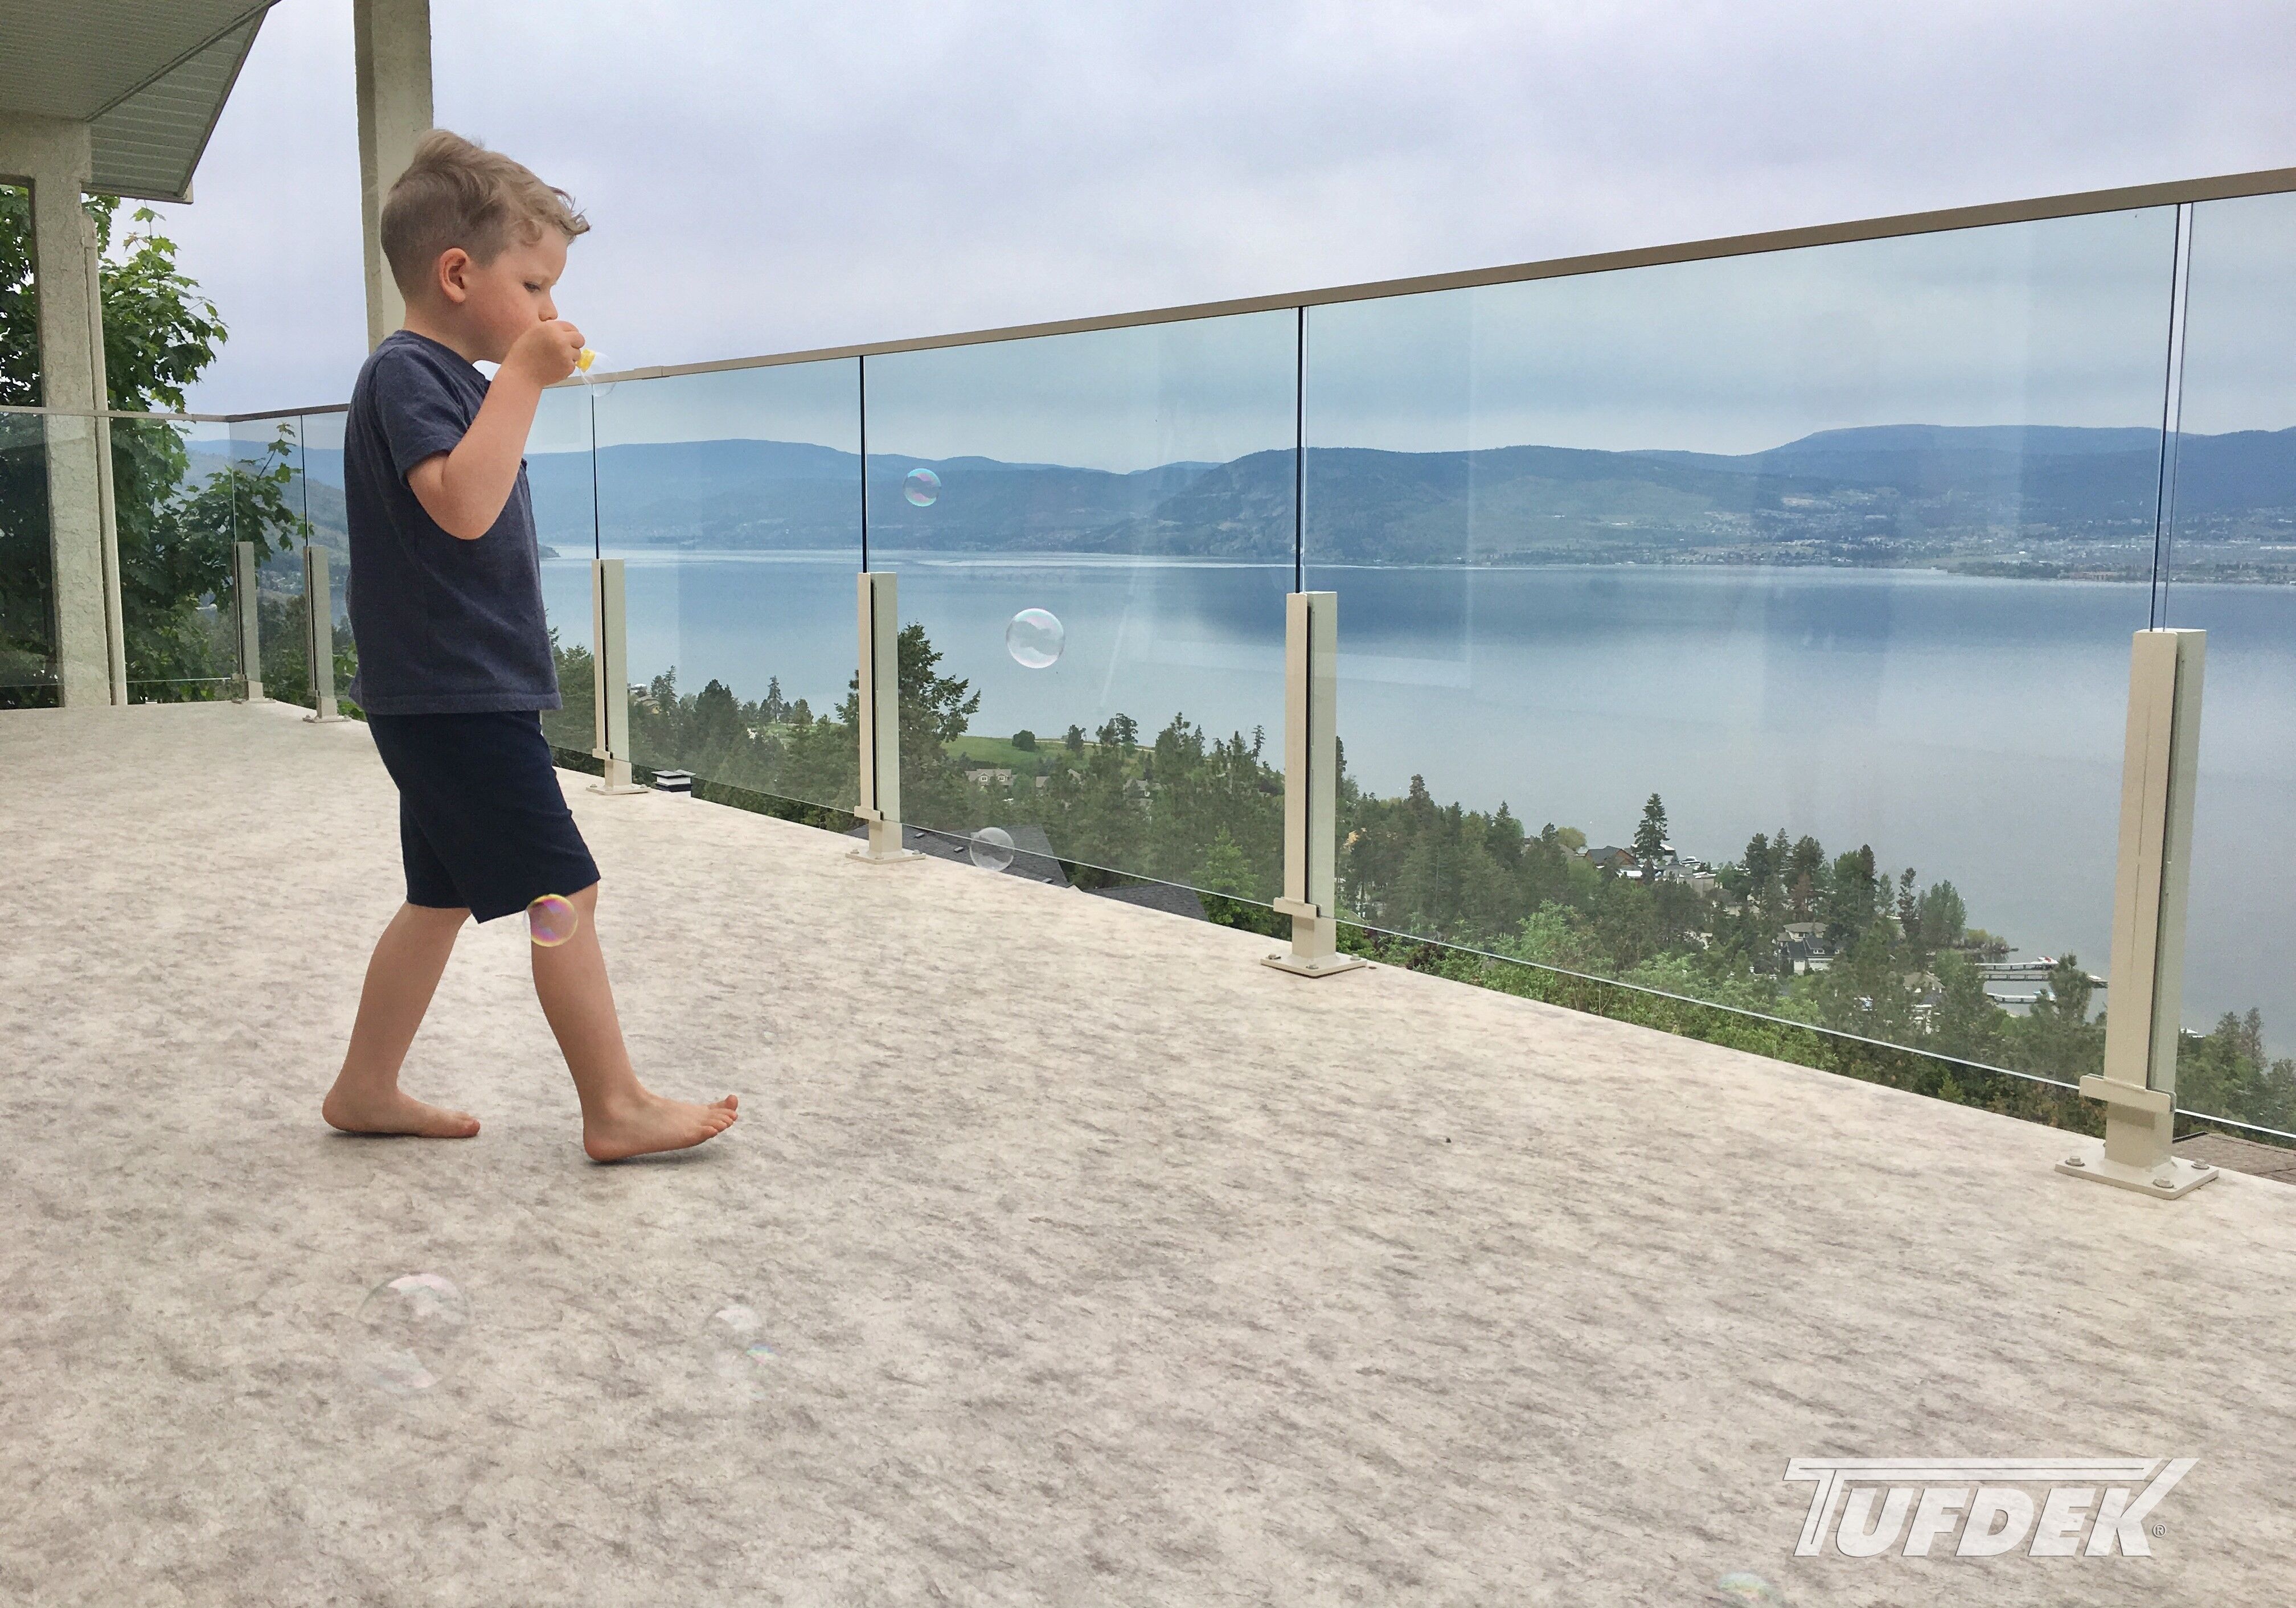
(2230, 567)
(320, 436)
(560, 477)
(733, 500)
(267, 456)
(1755, 629)
(1094, 534)
(181, 498)
(28, 638)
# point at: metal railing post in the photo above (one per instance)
(1311, 645)
(878, 799)
(319, 633)
(2159, 767)
(250, 635)
(115, 618)
(610, 679)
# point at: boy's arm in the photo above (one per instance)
(464, 490)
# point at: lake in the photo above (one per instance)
(1970, 728)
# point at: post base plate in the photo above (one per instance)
(2172, 1179)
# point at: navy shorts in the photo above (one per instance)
(482, 822)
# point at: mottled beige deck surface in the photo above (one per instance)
(2241, 1155)
(1100, 1264)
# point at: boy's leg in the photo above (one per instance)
(405, 971)
(620, 1116)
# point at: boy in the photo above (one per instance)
(454, 667)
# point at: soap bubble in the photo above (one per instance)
(1035, 638)
(733, 1346)
(991, 849)
(1740, 1586)
(551, 920)
(921, 486)
(407, 1333)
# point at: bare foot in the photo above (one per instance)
(394, 1114)
(653, 1123)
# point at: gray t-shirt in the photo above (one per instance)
(444, 625)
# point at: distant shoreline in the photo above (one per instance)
(1005, 557)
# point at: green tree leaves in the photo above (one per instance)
(175, 530)
(160, 332)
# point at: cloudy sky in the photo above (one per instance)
(765, 177)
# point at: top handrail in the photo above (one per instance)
(2270, 181)
(168, 418)
(117, 412)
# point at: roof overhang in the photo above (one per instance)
(149, 80)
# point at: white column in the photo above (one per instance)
(878, 799)
(51, 156)
(2160, 766)
(392, 45)
(1311, 781)
(107, 513)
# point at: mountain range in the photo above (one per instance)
(1843, 496)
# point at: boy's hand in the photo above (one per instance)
(545, 353)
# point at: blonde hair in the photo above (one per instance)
(456, 193)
